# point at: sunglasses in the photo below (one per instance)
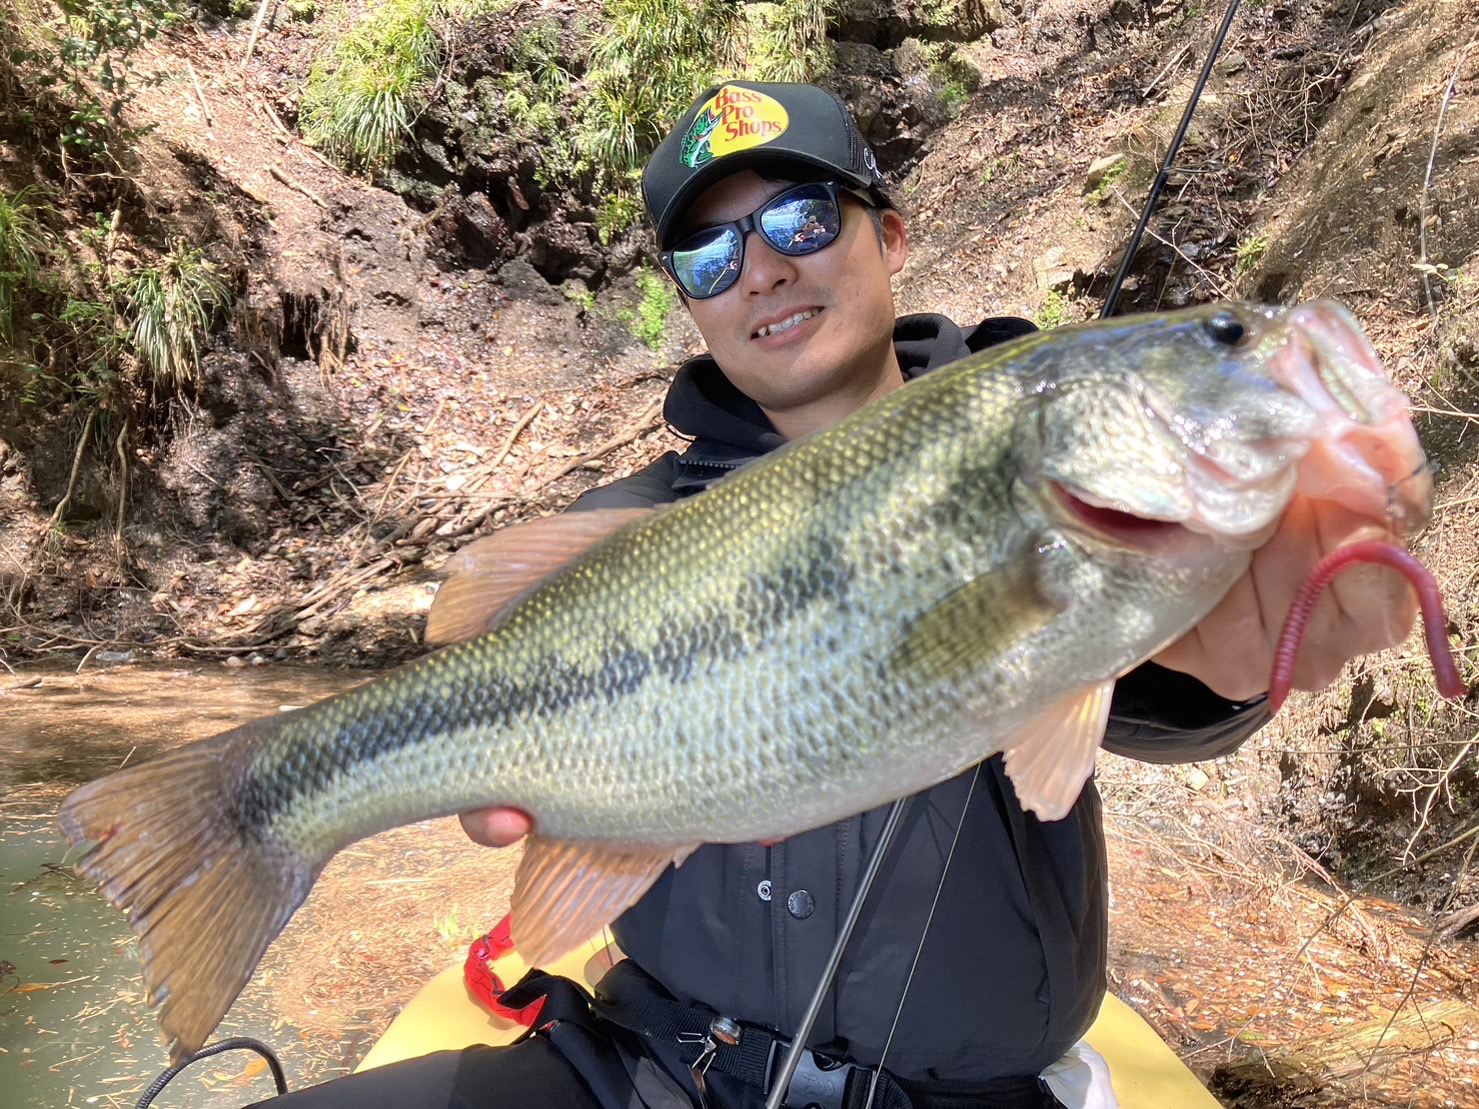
(799, 221)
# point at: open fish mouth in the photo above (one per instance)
(1318, 417)
(1123, 528)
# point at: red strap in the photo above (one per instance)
(485, 985)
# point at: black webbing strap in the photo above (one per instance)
(629, 998)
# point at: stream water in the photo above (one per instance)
(74, 1028)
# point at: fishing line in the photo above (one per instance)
(1164, 175)
(781, 1083)
(918, 951)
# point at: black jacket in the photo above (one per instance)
(1013, 969)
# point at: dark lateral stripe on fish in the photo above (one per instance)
(715, 636)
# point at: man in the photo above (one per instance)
(773, 219)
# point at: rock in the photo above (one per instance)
(521, 281)
(469, 234)
(889, 22)
(1100, 169)
(1051, 271)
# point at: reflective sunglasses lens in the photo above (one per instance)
(801, 221)
(708, 263)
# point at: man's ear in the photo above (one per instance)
(895, 240)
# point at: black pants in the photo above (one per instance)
(531, 1073)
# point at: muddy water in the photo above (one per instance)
(74, 1029)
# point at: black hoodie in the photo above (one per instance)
(1013, 968)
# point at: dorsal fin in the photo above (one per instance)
(489, 575)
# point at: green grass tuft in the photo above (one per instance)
(363, 97)
(647, 64)
(166, 308)
(1054, 311)
(21, 243)
(648, 320)
(1249, 251)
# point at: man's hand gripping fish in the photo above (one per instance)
(963, 567)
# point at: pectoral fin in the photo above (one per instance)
(567, 890)
(1051, 758)
(977, 623)
(490, 575)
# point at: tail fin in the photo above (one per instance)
(204, 892)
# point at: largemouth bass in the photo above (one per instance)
(963, 567)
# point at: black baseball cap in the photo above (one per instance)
(755, 125)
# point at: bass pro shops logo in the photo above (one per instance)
(731, 120)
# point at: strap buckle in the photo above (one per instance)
(819, 1082)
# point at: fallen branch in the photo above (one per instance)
(61, 506)
(256, 31)
(271, 476)
(644, 424)
(200, 95)
(290, 138)
(1424, 266)
(508, 443)
(1454, 923)
(290, 183)
(122, 447)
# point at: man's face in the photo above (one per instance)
(842, 344)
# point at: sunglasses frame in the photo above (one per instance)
(745, 224)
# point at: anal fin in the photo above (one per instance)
(567, 890)
(1052, 756)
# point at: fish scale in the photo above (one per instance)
(962, 567)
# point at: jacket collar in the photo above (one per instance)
(728, 428)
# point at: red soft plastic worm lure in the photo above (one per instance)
(1445, 670)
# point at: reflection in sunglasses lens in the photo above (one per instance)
(709, 267)
(799, 221)
(802, 224)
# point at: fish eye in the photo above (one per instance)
(1226, 328)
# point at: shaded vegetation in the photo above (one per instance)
(167, 309)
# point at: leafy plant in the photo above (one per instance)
(21, 239)
(1249, 251)
(1054, 311)
(87, 63)
(647, 64)
(648, 321)
(951, 78)
(787, 41)
(167, 307)
(1099, 194)
(363, 97)
(85, 341)
(618, 212)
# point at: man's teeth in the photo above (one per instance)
(784, 325)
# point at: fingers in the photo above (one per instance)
(1364, 610)
(496, 827)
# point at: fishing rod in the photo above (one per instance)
(781, 1083)
(1164, 175)
(776, 1098)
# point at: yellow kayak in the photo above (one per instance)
(444, 1015)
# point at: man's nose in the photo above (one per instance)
(764, 268)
